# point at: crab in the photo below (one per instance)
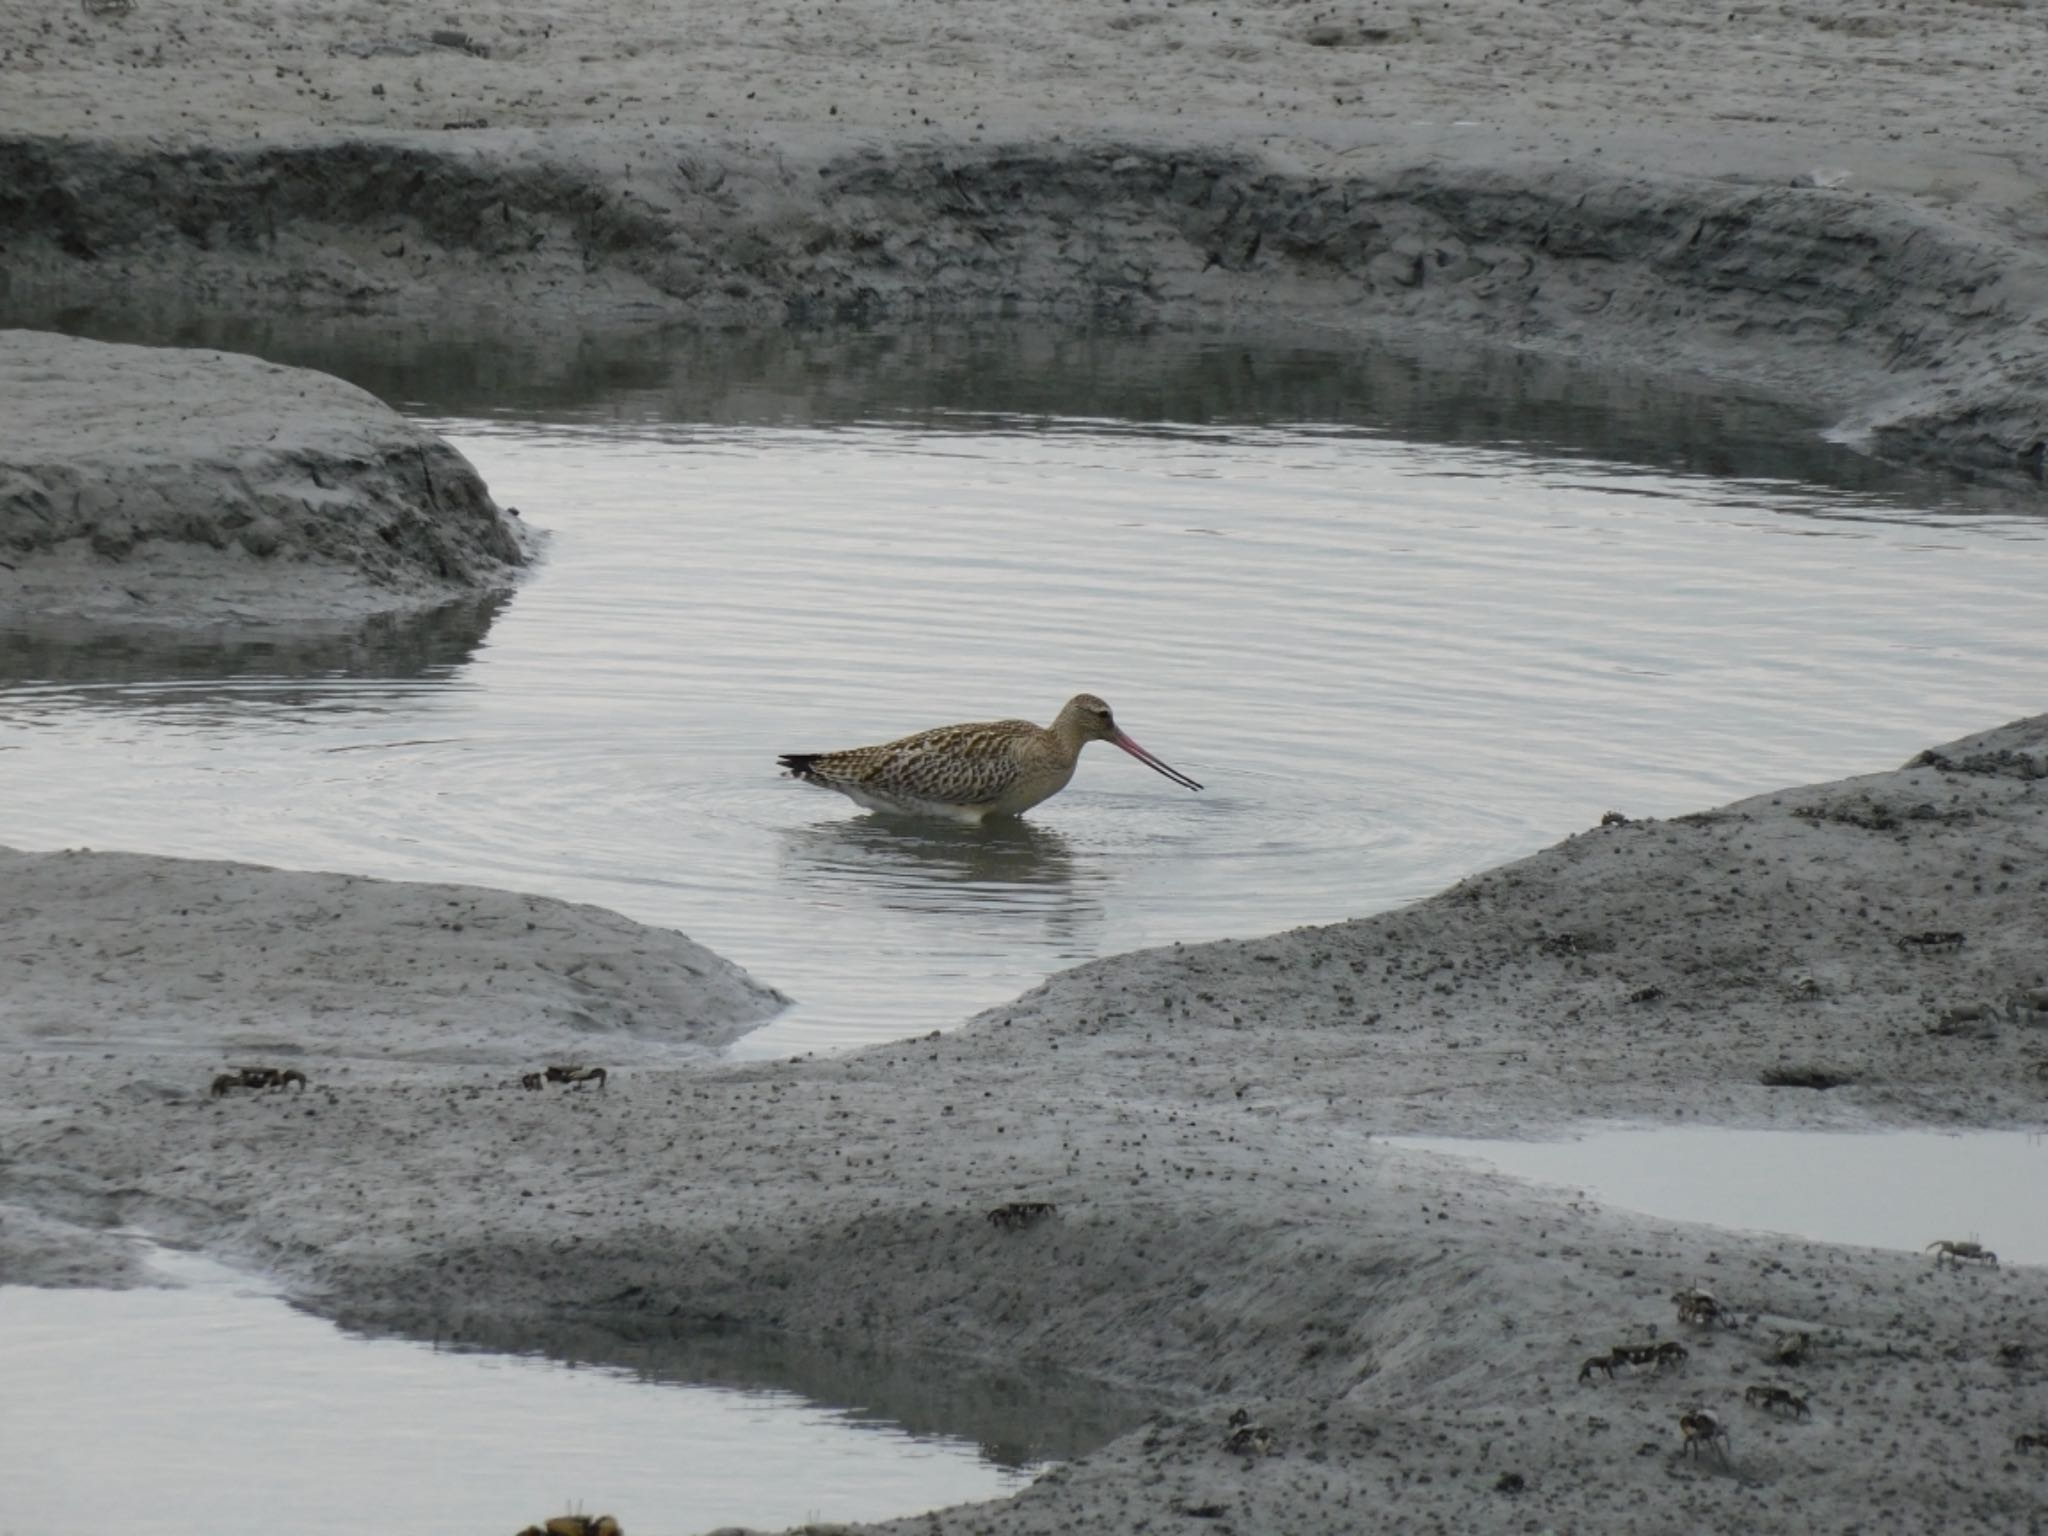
(1933, 938)
(1790, 1348)
(1701, 1429)
(1696, 1305)
(1973, 1019)
(531, 1082)
(576, 1525)
(576, 1076)
(1961, 1249)
(1771, 1398)
(2031, 1440)
(1249, 1439)
(1021, 1213)
(1669, 1352)
(258, 1077)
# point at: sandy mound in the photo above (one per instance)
(118, 949)
(159, 486)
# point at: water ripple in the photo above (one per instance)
(1392, 662)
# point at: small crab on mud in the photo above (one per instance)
(1702, 1430)
(1957, 1250)
(1249, 1439)
(258, 1077)
(1775, 1399)
(576, 1077)
(1021, 1213)
(1697, 1305)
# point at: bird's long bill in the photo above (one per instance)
(1150, 761)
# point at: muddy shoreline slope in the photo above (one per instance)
(1838, 206)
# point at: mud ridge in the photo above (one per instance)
(162, 486)
(1915, 328)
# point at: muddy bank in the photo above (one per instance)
(1875, 939)
(1844, 216)
(227, 959)
(1230, 1231)
(940, 375)
(195, 489)
(1910, 325)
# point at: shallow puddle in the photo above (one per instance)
(212, 1405)
(1404, 622)
(1899, 1189)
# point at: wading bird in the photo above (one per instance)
(970, 772)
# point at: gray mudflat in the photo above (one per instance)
(1841, 207)
(1229, 1232)
(1837, 206)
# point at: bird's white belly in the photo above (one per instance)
(909, 805)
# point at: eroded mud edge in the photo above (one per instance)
(1918, 331)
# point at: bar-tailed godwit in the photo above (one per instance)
(969, 772)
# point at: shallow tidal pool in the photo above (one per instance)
(1403, 620)
(210, 1404)
(1892, 1189)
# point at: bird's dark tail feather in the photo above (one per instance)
(799, 763)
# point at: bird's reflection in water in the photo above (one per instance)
(937, 868)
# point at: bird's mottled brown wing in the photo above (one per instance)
(952, 765)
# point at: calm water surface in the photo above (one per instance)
(1901, 1189)
(234, 1413)
(1403, 622)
